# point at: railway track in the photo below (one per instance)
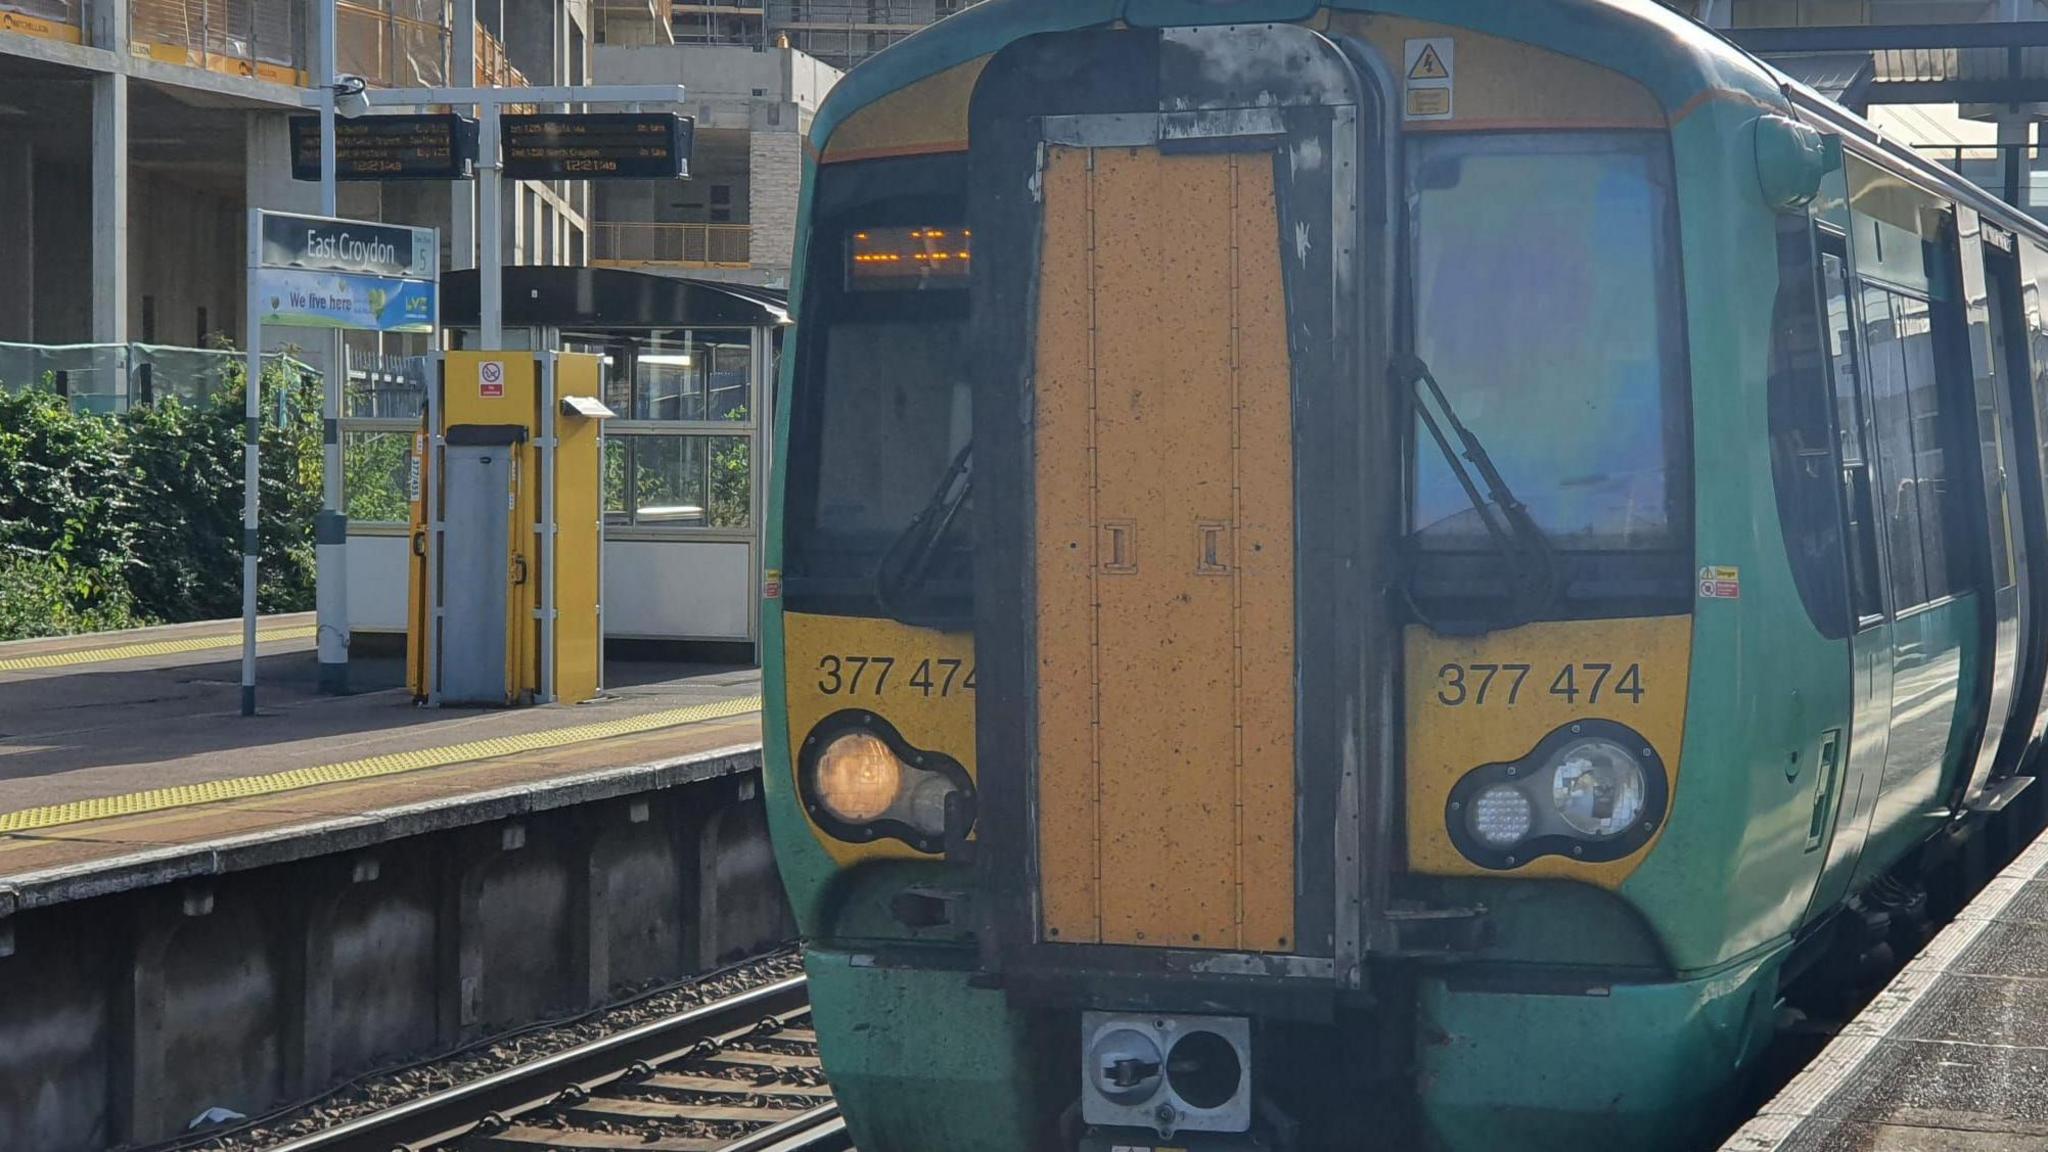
(737, 1075)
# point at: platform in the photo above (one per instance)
(1951, 1057)
(125, 762)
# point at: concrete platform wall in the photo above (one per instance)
(123, 1017)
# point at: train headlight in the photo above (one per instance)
(861, 781)
(1502, 816)
(1597, 788)
(1593, 790)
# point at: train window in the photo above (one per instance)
(1544, 272)
(1892, 423)
(1803, 453)
(1912, 417)
(1865, 596)
(880, 418)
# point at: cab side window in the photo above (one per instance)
(1866, 598)
(1803, 451)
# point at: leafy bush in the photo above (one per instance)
(136, 518)
(44, 596)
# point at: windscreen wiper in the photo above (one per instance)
(908, 560)
(1529, 562)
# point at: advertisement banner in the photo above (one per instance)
(300, 298)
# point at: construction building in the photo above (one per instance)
(840, 33)
(136, 134)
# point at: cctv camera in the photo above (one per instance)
(351, 96)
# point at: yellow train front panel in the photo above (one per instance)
(1165, 555)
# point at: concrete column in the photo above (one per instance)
(775, 174)
(2015, 132)
(110, 209)
(462, 194)
(18, 240)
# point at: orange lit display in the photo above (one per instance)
(913, 258)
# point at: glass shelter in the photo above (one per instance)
(689, 371)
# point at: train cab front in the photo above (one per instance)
(1231, 618)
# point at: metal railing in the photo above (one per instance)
(1985, 166)
(251, 38)
(682, 245)
(112, 378)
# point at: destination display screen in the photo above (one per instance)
(427, 147)
(598, 146)
(914, 258)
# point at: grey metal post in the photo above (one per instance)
(330, 528)
(490, 231)
(252, 452)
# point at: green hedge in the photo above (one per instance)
(115, 521)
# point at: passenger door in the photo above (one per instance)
(2019, 497)
(1934, 624)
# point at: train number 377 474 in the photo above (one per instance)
(875, 675)
(1478, 685)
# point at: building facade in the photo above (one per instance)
(136, 134)
(840, 33)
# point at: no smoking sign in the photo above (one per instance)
(490, 378)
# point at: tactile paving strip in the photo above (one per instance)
(154, 648)
(390, 764)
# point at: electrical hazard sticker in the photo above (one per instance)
(1720, 582)
(490, 379)
(1430, 66)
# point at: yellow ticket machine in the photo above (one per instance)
(507, 532)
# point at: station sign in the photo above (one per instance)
(423, 147)
(316, 272)
(598, 146)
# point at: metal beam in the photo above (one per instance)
(549, 94)
(1958, 92)
(1895, 37)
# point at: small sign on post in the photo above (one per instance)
(319, 272)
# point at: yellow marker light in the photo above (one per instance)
(859, 779)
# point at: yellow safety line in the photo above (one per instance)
(390, 764)
(154, 648)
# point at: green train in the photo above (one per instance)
(1380, 573)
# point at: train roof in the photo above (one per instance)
(1680, 61)
(1683, 63)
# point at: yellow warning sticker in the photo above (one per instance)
(1429, 103)
(1430, 65)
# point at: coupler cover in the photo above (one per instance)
(1166, 1073)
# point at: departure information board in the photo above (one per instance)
(598, 146)
(425, 147)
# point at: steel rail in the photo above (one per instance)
(501, 1096)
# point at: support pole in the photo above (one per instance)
(330, 528)
(252, 453)
(490, 231)
(110, 208)
(462, 214)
